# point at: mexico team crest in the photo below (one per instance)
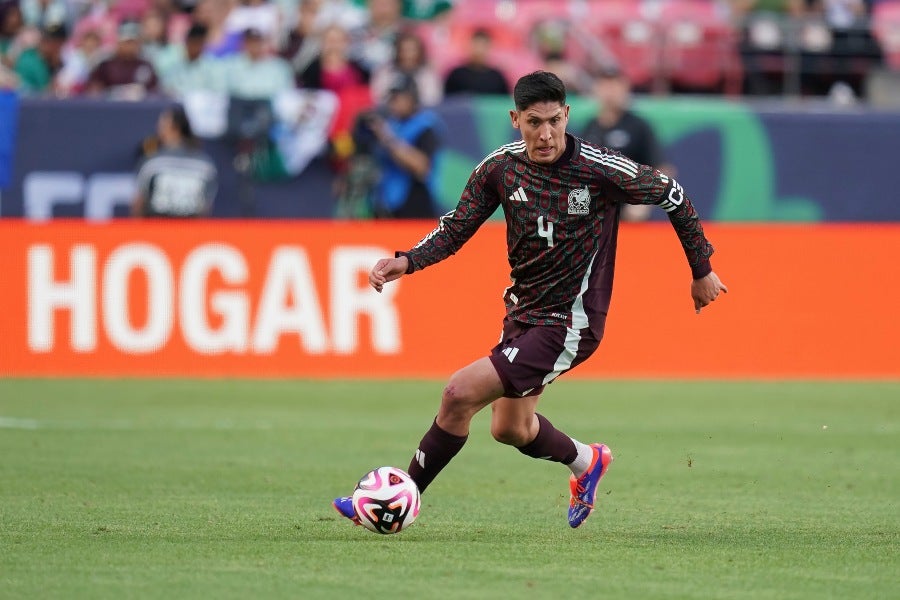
(580, 201)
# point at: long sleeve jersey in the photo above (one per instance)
(562, 223)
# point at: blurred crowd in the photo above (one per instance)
(285, 80)
(253, 48)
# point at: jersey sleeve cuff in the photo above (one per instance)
(699, 271)
(410, 266)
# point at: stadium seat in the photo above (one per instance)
(886, 28)
(700, 49)
(500, 18)
(626, 35)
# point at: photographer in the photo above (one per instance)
(401, 143)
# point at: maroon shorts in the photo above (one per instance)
(529, 357)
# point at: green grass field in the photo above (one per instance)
(222, 489)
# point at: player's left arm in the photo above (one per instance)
(642, 184)
(706, 285)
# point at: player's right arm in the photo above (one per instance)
(478, 202)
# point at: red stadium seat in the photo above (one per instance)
(700, 48)
(501, 19)
(886, 28)
(627, 35)
(515, 63)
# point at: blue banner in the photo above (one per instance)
(9, 105)
(739, 162)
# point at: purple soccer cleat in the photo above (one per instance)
(584, 488)
(344, 506)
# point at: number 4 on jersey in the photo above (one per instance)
(545, 230)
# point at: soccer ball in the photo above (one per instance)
(386, 500)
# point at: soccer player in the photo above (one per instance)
(561, 197)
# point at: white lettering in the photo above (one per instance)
(289, 279)
(101, 193)
(41, 191)
(116, 314)
(104, 192)
(351, 299)
(76, 295)
(233, 306)
(213, 308)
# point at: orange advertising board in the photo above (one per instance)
(290, 299)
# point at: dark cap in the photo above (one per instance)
(253, 33)
(55, 31)
(609, 71)
(404, 84)
(483, 33)
(197, 31)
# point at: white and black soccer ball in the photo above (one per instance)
(386, 500)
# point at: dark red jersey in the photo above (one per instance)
(562, 222)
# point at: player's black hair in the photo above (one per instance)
(540, 86)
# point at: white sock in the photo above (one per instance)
(583, 460)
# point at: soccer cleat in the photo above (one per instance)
(344, 505)
(584, 488)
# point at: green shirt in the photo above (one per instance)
(774, 6)
(33, 71)
(258, 80)
(418, 9)
(204, 74)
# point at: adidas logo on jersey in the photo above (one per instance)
(518, 196)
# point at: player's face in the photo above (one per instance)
(543, 127)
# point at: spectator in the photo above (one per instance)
(8, 78)
(841, 56)
(155, 46)
(375, 47)
(125, 75)
(37, 67)
(410, 59)
(260, 15)
(96, 15)
(43, 14)
(195, 70)
(333, 69)
(618, 128)
(476, 75)
(212, 14)
(78, 62)
(253, 79)
(551, 38)
(176, 178)
(255, 74)
(764, 44)
(404, 140)
(302, 44)
(11, 26)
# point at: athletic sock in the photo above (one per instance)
(436, 449)
(551, 444)
(583, 461)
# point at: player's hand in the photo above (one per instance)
(387, 269)
(706, 290)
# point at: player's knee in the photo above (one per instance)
(456, 399)
(511, 434)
